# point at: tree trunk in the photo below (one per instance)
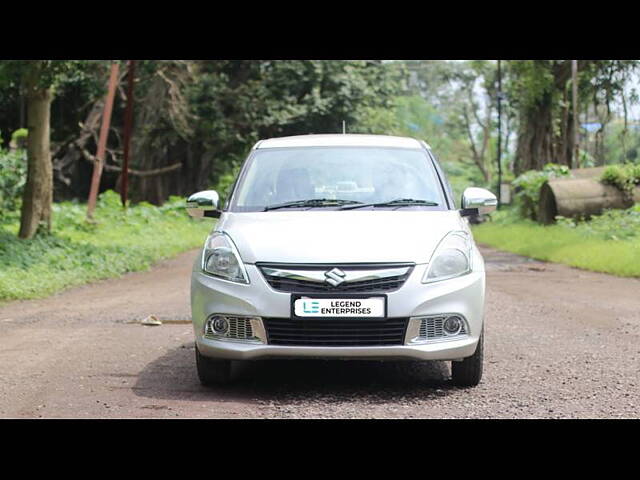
(38, 192)
(534, 148)
(537, 142)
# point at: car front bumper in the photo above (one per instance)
(463, 296)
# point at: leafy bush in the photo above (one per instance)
(611, 225)
(19, 137)
(528, 187)
(13, 175)
(607, 243)
(625, 177)
(78, 252)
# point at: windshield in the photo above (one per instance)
(369, 175)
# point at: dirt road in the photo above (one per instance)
(560, 342)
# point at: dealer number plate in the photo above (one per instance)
(340, 307)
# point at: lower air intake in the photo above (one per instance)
(335, 332)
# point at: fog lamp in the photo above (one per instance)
(452, 325)
(219, 325)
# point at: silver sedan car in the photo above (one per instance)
(339, 247)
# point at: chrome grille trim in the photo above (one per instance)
(319, 275)
(357, 278)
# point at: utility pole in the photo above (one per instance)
(576, 133)
(499, 134)
(128, 126)
(102, 141)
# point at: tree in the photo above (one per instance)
(464, 95)
(37, 79)
(202, 117)
(540, 90)
(194, 121)
(473, 113)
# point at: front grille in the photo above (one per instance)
(431, 328)
(291, 285)
(335, 332)
(239, 328)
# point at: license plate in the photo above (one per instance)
(323, 307)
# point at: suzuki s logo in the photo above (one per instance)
(334, 277)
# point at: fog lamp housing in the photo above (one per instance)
(235, 328)
(219, 325)
(452, 325)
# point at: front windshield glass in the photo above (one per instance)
(354, 174)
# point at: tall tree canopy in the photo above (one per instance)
(37, 80)
(540, 90)
(196, 120)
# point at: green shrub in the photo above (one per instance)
(625, 177)
(13, 175)
(608, 243)
(19, 137)
(615, 224)
(78, 252)
(528, 187)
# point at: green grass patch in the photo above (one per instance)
(609, 243)
(78, 252)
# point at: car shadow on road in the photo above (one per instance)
(173, 377)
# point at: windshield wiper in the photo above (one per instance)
(314, 202)
(399, 202)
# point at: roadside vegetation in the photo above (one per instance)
(194, 121)
(625, 176)
(608, 243)
(78, 252)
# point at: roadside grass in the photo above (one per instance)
(78, 252)
(609, 243)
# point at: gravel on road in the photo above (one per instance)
(559, 343)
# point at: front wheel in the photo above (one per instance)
(212, 371)
(468, 372)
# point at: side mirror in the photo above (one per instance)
(478, 199)
(203, 204)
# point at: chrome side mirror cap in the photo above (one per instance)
(479, 198)
(203, 204)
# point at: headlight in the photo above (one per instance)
(221, 259)
(452, 258)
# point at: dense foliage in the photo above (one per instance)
(625, 177)
(203, 116)
(13, 174)
(77, 252)
(611, 225)
(198, 119)
(540, 91)
(527, 187)
(608, 243)
(239, 102)
(454, 105)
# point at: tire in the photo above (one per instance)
(212, 371)
(468, 372)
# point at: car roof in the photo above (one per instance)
(340, 140)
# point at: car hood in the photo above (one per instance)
(323, 236)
